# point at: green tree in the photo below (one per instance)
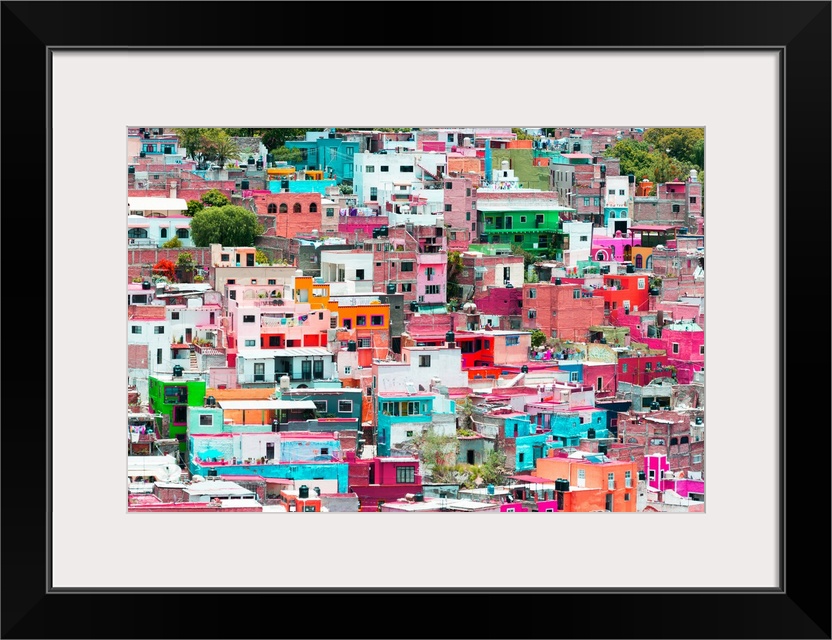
(685, 144)
(193, 207)
(493, 469)
(228, 225)
(261, 258)
(438, 455)
(219, 146)
(522, 135)
(173, 243)
(635, 157)
(192, 139)
(215, 198)
(185, 262)
(345, 189)
(454, 271)
(538, 338)
(665, 169)
(292, 155)
(275, 138)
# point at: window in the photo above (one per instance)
(274, 341)
(272, 281)
(369, 169)
(174, 315)
(697, 458)
(359, 274)
(296, 207)
(347, 369)
(330, 212)
(433, 289)
(628, 479)
(518, 239)
(424, 361)
(576, 293)
(406, 168)
(364, 342)
(573, 376)
(611, 192)
(610, 481)
(253, 281)
(595, 202)
(251, 343)
(272, 208)
(621, 192)
(224, 257)
(406, 266)
(373, 194)
(701, 349)
(163, 232)
(284, 208)
(522, 219)
(345, 406)
(693, 199)
(532, 314)
(361, 321)
(626, 497)
(675, 346)
(384, 168)
(248, 318)
(467, 215)
(135, 329)
(158, 329)
(406, 475)
(648, 366)
(448, 207)
(675, 208)
(206, 420)
(158, 356)
(406, 287)
(377, 321)
(182, 233)
(512, 341)
(532, 293)
(586, 202)
(584, 238)
(449, 185)
(137, 233)
(624, 368)
(409, 434)
(642, 282)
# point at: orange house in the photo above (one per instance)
(593, 486)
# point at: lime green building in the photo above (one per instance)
(171, 396)
(534, 224)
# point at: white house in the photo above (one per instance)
(376, 173)
(154, 221)
(303, 365)
(421, 368)
(580, 242)
(348, 272)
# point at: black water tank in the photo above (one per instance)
(212, 472)
(303, 491)
(145, 285)
(418, 497)
(449, 336)
(655, 406)
(383, 232)
(243, 184)
(631, 268)
(414, 306)
(561, 484)
(250, 160)
(391, 287)
(131, 169)
(177, 371)
(524, 368)
(284, 185)
(602, 448)
(557, 280)
(352, 345)
(590, 433)
(211, 401)
(641, 475)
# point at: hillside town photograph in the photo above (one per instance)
(416, 320)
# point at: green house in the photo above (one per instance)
(531, 225)
(171, 396)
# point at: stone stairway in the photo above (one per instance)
(194, 364)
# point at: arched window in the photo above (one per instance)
(600, 256)
(137, 233)
(283, 208)
(313, 208)
(296, 208)
(272, 208)
(639, 261)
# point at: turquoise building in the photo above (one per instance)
(334, 156)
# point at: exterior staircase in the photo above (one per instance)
(194, 363)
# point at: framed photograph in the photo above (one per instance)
(755, 75)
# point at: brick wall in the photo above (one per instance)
(138, 257)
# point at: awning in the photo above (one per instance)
(431, 309)
(183, 226)
(138, 225)
(255, 405)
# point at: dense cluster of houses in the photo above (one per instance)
(478, 322)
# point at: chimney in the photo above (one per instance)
(173, 189)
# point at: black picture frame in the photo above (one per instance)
(799, 609)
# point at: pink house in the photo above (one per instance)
(431, 277)
(685, 344)
(612, 249)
